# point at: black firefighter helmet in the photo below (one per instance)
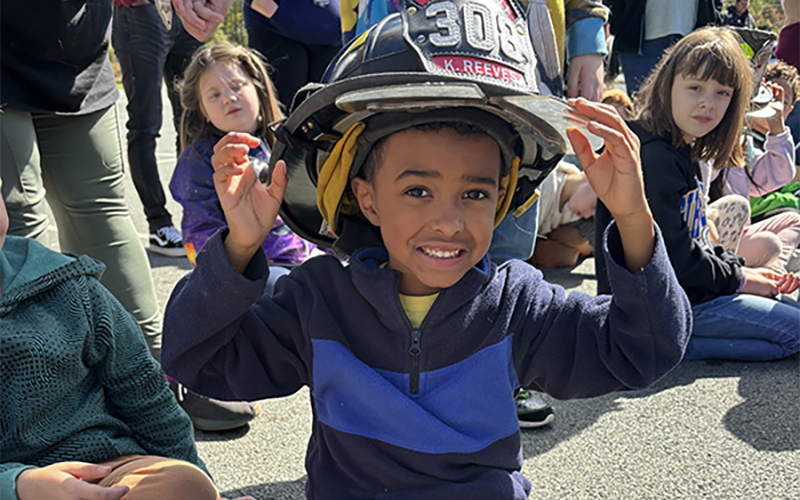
(433, 61)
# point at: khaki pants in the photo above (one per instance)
(75, 164)
(157, 478)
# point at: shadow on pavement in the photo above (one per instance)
(233, 434)
(157, 260)
(767, 419)
(287, 490)
(572, 418)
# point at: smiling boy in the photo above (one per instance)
(414, 349)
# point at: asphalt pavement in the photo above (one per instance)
(707, 430)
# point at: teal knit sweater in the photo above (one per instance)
(77, 380)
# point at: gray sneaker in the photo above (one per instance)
(533, 411)
(213, 415)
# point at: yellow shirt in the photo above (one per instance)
(417, 307)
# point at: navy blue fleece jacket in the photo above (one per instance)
(428, 413)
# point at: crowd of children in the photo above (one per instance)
(413, 342)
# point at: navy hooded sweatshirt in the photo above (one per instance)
(428, 413)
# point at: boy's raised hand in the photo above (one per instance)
(250, 207)
(64, 481)
(615, 174)
(616, 177)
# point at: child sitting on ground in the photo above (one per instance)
(413, 350)
(785, 76)
(769, 165)
(566, 197)
(225, 88)
(86, 410)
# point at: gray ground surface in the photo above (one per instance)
(707, 430)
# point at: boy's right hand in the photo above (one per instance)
(63, 481)
(250, 207)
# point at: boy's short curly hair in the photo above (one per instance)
(785, 71)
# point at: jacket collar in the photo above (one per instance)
(377, 285)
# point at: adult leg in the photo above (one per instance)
(636, 67)
(141, 43)
(178, 58)
(21, 171)
(288, 58)
(745, 328)
(158, 478)
(81, 159)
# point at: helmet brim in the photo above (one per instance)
(328, 111)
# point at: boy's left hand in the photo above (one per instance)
(616, 177)
(615, 174)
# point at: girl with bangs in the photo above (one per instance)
(690, 109)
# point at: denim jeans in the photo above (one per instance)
(515, 237)
(636, 67)
(148, 53)
(745, 328)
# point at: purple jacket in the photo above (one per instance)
(192, 186)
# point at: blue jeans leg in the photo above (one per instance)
(636, 67)
(745, 328)
(515, 237)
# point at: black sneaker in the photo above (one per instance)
(167, 241)
(213, 415)
(533, 411)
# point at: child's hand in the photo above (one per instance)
(250, 207)
(616, 177)
(776, 123)
(767, 283)
(63, 481)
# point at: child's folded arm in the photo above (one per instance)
(700, 272)
(774, 167)
(581, 346)
(8, 478)
(225, 339)
(133, 381)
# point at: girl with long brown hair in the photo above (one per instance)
(692, 108)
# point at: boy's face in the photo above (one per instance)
(434, 197)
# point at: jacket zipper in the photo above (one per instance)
(414, 351)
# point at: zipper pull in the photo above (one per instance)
(415, 351)
(415, 343)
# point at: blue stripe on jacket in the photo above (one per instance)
(461, 408)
